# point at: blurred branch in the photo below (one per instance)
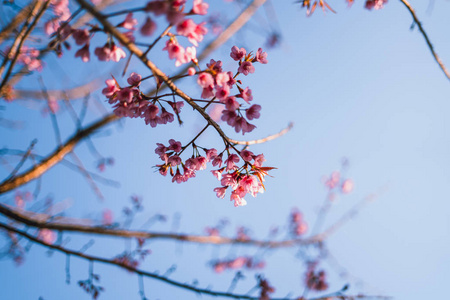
(266, 139)
(73, 93)
(184, 286)
(17, 20)
(55, 157)
(65, 162)
(43, 221)
(13, 54)
(430, 46)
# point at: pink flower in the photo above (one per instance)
(178, 177)
(253, 112)
(81, 36)
(117, 53)
(246, 94)
(190, 55)
(174, 160)
(165, 117)
(222, 92)
(261, 56)
(230, 103)
(210, 154)
(51, 26)
(238, 200)
(217, 161)
(333, 181)
(205, 80)
(84, 53)
(217, 173)
(107, 217)
(158, 7)
(259, 159)
(347, 186)
(134, 79)
(186, 27)
(103, 53)
(161, 150)
(149, 27)
(229, 116)
(191, 71)
(215, 66)
(208, 92)
(200, 8)
(197, 35)
(222, 79)
(174, 145)
(230, 162)
(110, 89)
(47, 236)
(247, 155)
(237, 54)
(246, 67)
(375, 4)
(129, 22)
(125, 95)
(242, 124)
(175, 52)
(229, 180)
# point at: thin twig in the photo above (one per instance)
(55, 157)
(430, 46)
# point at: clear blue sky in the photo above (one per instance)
(359, 84)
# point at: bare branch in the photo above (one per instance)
(169, 281)
(55, 157)
(266, 139)
(17, 20)
(73, 225)
(430, 46)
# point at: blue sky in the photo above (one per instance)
(357, 84)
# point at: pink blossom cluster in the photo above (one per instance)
(217, 84)
(241, 180)
(47, 236)
(238, 263)
(315, 280)
(375, 4)
(334, 181)
(28, 56)
(297, 225)
(173, 10)
(131, 102)
(170, 155)
(20, 198)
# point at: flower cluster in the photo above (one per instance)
(131, 102)
(375, 4)
(217, 84)
(238, 263)
(335, 181)
(315, 280)
(170, 156)
(28, 56)
(241, 180)
(297, 225)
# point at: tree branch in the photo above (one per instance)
(43, 221)
(430, 46)
(162, 278)
(55, 157)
